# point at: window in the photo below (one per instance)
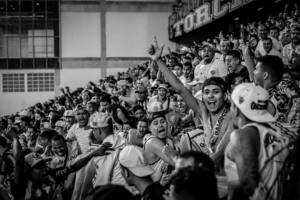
(13, 82)
(40, 82)
(29, 30)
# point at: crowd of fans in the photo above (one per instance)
(217, 120)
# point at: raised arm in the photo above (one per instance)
(249, 61)
(171, 78)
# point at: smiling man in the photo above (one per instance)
(81, 131)
(209, 66)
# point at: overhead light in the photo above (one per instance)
(236, 19)
(260, 8)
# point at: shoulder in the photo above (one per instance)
(154, 143)
(248, 135)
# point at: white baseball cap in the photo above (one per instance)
(253, 102)
(99, 120)
(132, 157)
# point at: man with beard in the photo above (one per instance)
(290, 48)
(209, 66)
(256, 153)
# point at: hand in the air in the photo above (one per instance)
(155, 51)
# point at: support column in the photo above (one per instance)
(103, 63)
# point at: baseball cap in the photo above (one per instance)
(60, 123)
(100, 120)
(253, 102)
(162, 85)
(132, 158)
(69, 113)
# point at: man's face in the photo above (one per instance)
(141, 95)
(172, 62)
(69, 120)
(85, 96)
(262, 32)
(158, 127)
(178, 70)
(142, 128)
(225, 46)
(30, 132)
(186, 70)
(59, 147)
(139, 113)
(23, 125)
(258, 75)
(82, 117)
(295, 36)
(253, 42)
(104, 106)
(213, 98)
(96, 99)
(274, 33)
(267, 44)
(207, 54)
(90, 108)
(231, 62)
(162, 92)
(180, 104)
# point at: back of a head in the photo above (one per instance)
(200, 159)
(195, 183)
(273, 65)
(110, 192)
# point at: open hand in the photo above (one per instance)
(155, 51)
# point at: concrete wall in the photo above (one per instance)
(130, 29)
(80, 34)
(129, 34)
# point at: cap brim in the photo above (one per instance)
(142, 171)
(262, 116)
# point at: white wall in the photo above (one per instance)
(11, 102)
(129, 34)
(80, 34)
(75, 78)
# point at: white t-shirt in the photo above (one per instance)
(81, 135)
(216, 68)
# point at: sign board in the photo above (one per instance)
(204, 15)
